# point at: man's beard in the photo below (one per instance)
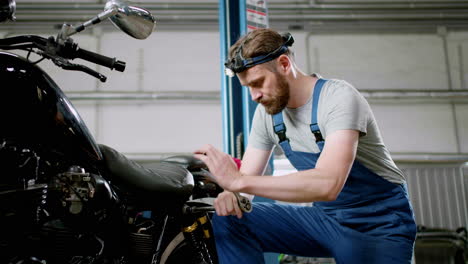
(279, 99)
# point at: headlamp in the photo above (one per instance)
(240, 64)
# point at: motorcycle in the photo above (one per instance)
(65, 198)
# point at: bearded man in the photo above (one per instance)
(361, 212)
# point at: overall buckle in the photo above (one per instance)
(318, 135)
(280, 130)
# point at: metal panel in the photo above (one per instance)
(383, 1)
(156, 129)
(421, 128)
(380, 61)
(163, 62)
(438, 195)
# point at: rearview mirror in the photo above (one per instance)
(135, 21)
(7, 10)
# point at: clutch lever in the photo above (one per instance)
(66, 65)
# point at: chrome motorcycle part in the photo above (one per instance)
(77, 187)
(7, 10)
(135, 21)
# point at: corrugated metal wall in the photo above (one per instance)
(438, 194)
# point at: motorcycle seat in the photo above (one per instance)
(166, 181)
(187, 161)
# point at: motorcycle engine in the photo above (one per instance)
(63, 213)
(19, 166)
(76, 188)
(22, 197)
(79, 205)
(47, 211)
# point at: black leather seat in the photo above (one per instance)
(166, 182)
(187, 161)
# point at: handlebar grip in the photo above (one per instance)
(111, 63)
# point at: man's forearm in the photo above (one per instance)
(304, 186)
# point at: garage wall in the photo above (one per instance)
(403, 62)
(188, 61)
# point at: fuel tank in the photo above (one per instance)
(34, 111)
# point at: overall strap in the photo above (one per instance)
(279, 127)
(314, 124)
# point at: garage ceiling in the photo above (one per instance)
(318, 15)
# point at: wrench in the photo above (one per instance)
(244, 203)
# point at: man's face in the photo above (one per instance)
(267, 88)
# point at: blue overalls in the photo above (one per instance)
(370, 222)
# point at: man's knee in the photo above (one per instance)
(222, 225)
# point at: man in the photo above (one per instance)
(326, 129)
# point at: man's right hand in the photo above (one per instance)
(226, 204)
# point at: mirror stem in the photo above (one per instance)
(68, 30)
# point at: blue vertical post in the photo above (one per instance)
(231, 90)
(238, 107)
(247, 103)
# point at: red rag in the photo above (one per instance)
(237, 161)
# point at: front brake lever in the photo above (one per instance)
(66, 65)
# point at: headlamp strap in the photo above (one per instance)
(264, 58)
(240, 64)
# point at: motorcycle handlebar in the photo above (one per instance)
(69, 50)
(198, 209)
(111, 63)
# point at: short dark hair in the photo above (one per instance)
(257, 42)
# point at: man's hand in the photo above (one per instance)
(226, 204)
(221, 166)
